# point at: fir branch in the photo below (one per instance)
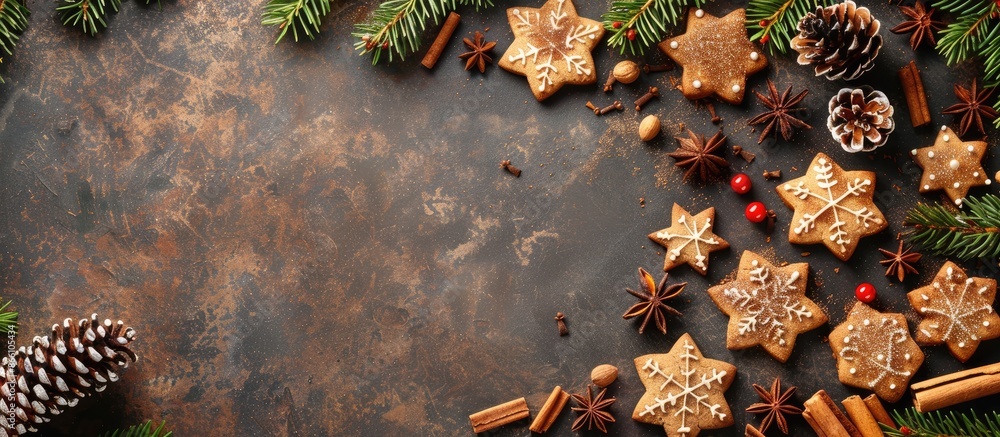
(945, 231)
(397, 25)
(975, 33)
(8, 319)
(776, 21)
(938, 424)
(88, 14)
(13, 21)
(304, 16)
(144, 430)
(648, 18)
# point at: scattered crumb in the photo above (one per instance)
(836, 270)
(768, 240)
(795, 169)
(783, 263)
(825, 339)
(806, 253)
(642, 202)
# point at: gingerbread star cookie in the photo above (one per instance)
(832, 206)
(716, 56)
(552, 47)
(684, 390)
(956, 310)
(951, 165)
(874, 351)
(689, 239)
(767, 306)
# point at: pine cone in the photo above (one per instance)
(841, 40)
(861, 119)
(58, 370)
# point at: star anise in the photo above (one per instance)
(972, 106)
(592, 412)
(900, 262)
(780, 113)
(776, 405)
(651, 298)
(697, 155)
(478, 54)
(921, 23)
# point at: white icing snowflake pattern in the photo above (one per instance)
(687, 396)
(768, 304)
(883, 338)
(555, 42)
(832, 204)
(957, 312)
(693, 235)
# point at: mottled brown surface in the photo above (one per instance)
(311, 246)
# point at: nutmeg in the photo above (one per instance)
(626, 72)
(604, 375)
(649, 128)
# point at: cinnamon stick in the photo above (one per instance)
(500, 415)
(881, 416)
(916, 98)
(955, 388)
(434, 52)
(861, 417)
(550, 410)
(826, 419)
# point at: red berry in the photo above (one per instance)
(904, 430)
(763, 23)
(865, 292)
(630, 34)
(765, 39)
(616, 25)
(756, 212)
(740, 183)
(385, 45)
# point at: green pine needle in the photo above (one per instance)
(781, 20)
(88, 14)
(397, 25)
(13, 21)
(8, 319)
(144, 430)
(303, 16)
(967, 235)
(651, 19)
(937, 424)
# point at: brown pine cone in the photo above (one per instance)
(58, 370)
(860, 118)
(840, 40)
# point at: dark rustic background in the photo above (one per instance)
(308, 245)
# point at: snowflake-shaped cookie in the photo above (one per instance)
(716, 56)
(684, 390)
(957, 310)
(832, 206)
(951, 165)
(875, 352)
(551, 47)
(689, 239)
(767, 306)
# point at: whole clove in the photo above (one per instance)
(616, 105)
(506, 165)
(711, 110)
(590, 106)
(642, 101)
(772, 175)
(657, 68)
(561, 324)
(772, 219)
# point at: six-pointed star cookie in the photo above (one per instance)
(957, 310)
(951, 165)
(684, 390)
(874, 351)
(552, 47)
(767, 306)
(716, 56)
(689, 239)
(832, 206)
